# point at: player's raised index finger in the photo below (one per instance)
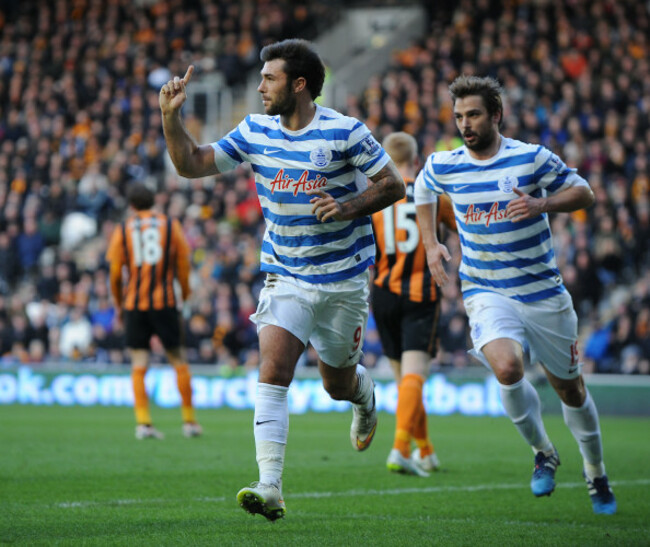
(518, 192)
(188, 74)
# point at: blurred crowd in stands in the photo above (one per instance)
(79, 120)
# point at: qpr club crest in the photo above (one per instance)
(507, 183)
(321, 157)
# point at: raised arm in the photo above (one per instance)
(190, 159)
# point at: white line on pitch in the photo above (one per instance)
(349, 493)
(445, 489)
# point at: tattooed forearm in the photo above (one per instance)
(388, 187)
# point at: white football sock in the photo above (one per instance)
(271, 429)
(522, 405)
(270, 460)
(585, 427)
(365, 389)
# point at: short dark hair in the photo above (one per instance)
(300, 61)
(486, 87)
(139, 196)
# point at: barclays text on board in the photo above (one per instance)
(25, 386)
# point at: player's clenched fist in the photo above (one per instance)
(172, 94)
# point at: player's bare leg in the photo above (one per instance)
(353, 384)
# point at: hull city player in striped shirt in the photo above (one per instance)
(406, 309)
(502, 191)
(152, 249)
(311, 166)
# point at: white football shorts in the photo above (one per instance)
(547, 329)
(332, 316)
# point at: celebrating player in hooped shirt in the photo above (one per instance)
(311, 166)
(502, 191)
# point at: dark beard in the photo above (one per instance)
(482, 142)
(285, 106)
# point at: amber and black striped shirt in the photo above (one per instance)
(154, 250)
(401, 263)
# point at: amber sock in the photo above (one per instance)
(183, 381)
(425, 446)
(141, 400)
(421, 431)
(409, 398)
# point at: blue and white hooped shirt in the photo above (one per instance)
(334, 153)
(515, 259)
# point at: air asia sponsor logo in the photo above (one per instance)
(283, 183)
(474, 215)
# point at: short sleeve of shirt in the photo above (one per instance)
(552, 174)
(421, 194)
(231, 150)
(426, 189)
(364, 152)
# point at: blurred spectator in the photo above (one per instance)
(597, 350)
(103, 313)
(9, 264)
(36, 352)
(587, 286)
(29, 245)
(76, 335)
(92, 193)
(77, 227)
(453, 341)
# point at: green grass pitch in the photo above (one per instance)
(77, 476)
